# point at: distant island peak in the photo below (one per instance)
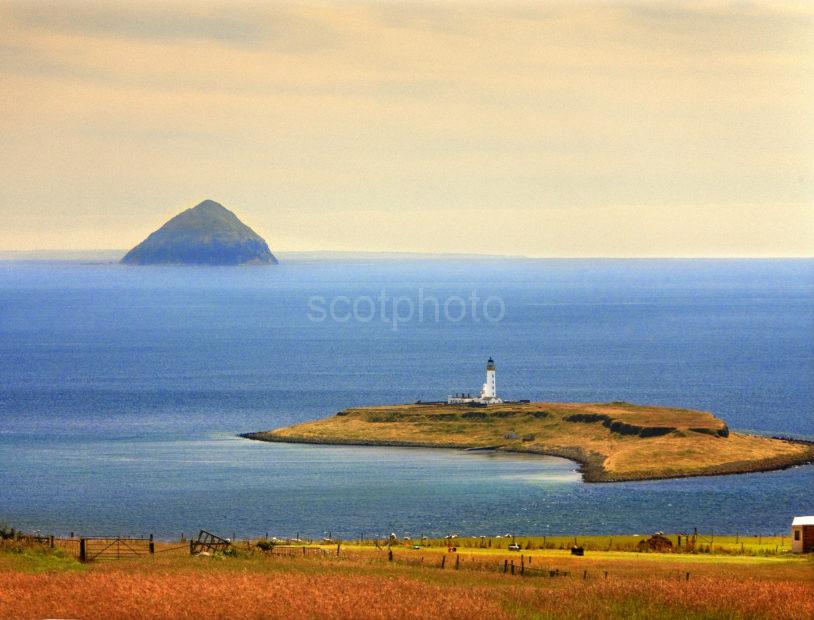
(206, 234)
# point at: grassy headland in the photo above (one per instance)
(612, 441)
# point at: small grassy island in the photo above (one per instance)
(612, 441)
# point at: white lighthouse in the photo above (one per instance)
(488, 393)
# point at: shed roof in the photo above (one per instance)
(803, 520)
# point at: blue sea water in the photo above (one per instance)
(122, 390)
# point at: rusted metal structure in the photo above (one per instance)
(208, 542)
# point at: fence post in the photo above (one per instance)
(443, 561)
(152, 545)
(457, 561)
(82, 551)
(505, 566)
(191, 547)
(585, 574)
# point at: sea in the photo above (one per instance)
(123, 391)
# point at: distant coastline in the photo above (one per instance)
(114, 255)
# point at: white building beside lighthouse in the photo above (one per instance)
(488, 393)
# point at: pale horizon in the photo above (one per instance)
(545, 130)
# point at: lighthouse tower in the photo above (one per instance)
(489, 392)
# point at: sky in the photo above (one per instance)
(619, 129)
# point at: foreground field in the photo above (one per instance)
(363, 582)
(612, 441)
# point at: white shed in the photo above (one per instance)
(802, 534)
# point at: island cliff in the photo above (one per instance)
(207, 234)
(612, 441)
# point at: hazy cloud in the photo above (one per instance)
(236, 24)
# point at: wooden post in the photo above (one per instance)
(457, 561)
(505, 566)
(389, 555)
(522, 565)
(606, 574)
(443, 561)
(82, 550)
(191, 547)
(512, 567)
(337, 549)
(688, 576)
(585, 574)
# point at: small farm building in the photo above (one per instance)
(802, 535)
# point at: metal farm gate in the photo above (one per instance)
(114, 548)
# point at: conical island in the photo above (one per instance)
(207, 234)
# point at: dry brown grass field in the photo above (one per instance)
(361, 582)
(612, 441)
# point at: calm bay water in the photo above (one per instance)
(122, 390)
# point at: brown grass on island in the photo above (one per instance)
(612, 441)
(363, 583)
